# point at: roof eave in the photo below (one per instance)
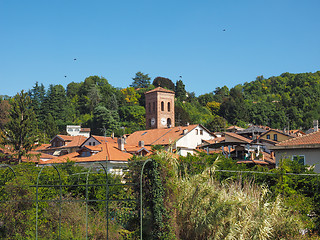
(304, 146)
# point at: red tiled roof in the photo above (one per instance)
(216, 140)
(71, 141)
(259, 162)
(85, 130)
(42, 146)
(163, 136)
(234, 127)
(136, 148)
(108, 151)
(160, 89)
(102, 139)
(309, 139)
(239, 137)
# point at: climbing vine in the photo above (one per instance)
(158, 195)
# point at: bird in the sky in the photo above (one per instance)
(224, 30)
(74, 59)
(65, 76)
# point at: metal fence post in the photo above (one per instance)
(37, 203)
(107, 195)
(60, 199)
(5, 165)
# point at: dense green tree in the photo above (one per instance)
(141, 92)
(214, 107)
(205, 98)
(21, 131)
(217, 124)
(130, 95)
(180, 91)
(192, 113)
(132, 117)
(234, 107)
(57, 104)
(73, 89)
(181, 115)
(141, 81)
(51, 128)
(37, 95)
(221, 93)
(4, 113)
(105, 121)
(163, 82)
(94, 96)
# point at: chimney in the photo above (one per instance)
(185, 131)
(141, 143)
(121, 144)
(315, 125)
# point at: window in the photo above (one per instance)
(168, 107)
(169, 123)
(275, 137)
(89, 143)
(162, 106)
(268, 136)
(201, 132)
(85, 154)
(149, 107)
(299, 158)
(197, 131)
(116, 170)
(153, 106)
(94, 143)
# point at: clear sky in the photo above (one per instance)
(209, 43)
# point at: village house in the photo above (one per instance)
(305, 149)
(242, 149)
(62, 145)
(182, 140)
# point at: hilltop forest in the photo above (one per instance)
(285, 101)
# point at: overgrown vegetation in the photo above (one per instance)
(18, 204)
(193, 200)
(183, 198)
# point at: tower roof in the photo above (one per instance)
(160, 89)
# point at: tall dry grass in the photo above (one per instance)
(210, 210)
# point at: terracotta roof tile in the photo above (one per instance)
(105, 139)
(158, 136)
(71, 141)
(216, 140)
(160, 89)
(108, 151)
(239, 137)
(309, 139)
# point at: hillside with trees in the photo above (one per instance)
(286, 101)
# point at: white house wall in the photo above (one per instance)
(93, 142)
(192, 139)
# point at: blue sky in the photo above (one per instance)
(116, 39)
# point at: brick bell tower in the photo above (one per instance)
(159, 108)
